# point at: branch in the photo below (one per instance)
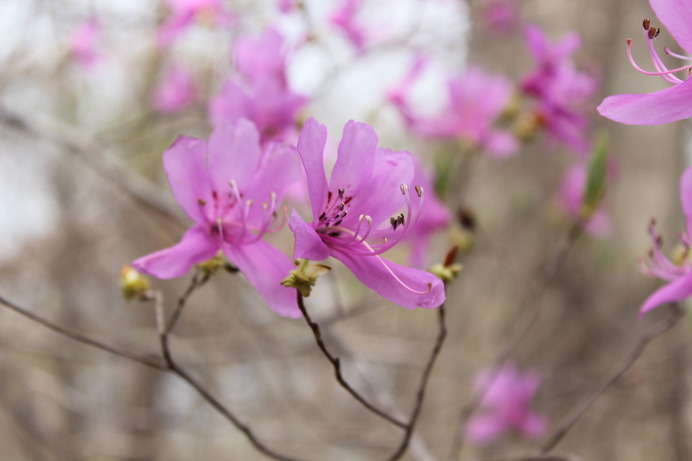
(81, 338)
(423, 385)
(336, 363)
(615, 374)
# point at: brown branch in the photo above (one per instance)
(336, 363)
(198, 280)
(521, 328)
(81, 338)
(615, 374)
(420, 395)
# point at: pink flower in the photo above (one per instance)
(231, 189)
(175, 91)
(344, 18)
(82, 44)
(670, 104)
(262, 94)
(500, 15)
(571, 200)
(560, 90)
(506, 402)
(357, 215)
(678, 274)
(433, 217)
(184, 12)
(476, 101)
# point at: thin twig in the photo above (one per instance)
(197, 281)
(520, 329)
(420, 396)
(337, 367)
(81, 338)
(615, 374)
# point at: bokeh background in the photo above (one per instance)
(80, 146)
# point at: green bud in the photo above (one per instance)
(304, 277)
(133, 284)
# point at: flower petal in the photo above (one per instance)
(308, 244)
(663, 106)
(394, 282)
(676, 16)
(356, 157)
(484, 428)
(311, 142)
(533, 425)
(184, 163)
(234, 153)
(676, 290)
(265, 267)
(195, 247)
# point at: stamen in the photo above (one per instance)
(670, 52)
(665, 73)
(419, 191)
(201, 202)
(646, 23)
(401, 282)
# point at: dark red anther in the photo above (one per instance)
(646, 23)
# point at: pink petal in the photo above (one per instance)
(686, 198)
(533, 425)
(261, 57)
(173, 27)
(484, 428)
(663, 106)
(311, 142)
(308, 244)
(234, 153)
(677, 290)
(356, 156)
(676, 16)
(280, 168)
(379, 275)
(265, 267)
(195, 247)
(184, 163)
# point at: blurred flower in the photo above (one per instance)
(231, 189)
(476, 101)
(500, 15)
(560, 90)
(262, 94)
(505, 406)
(285, 5)
(184, 12)
(82, 43)
(344, 18)
(667, 105)
(677, 273)
(175, 91)
(357, 216)
(571, 200)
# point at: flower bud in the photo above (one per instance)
(304, 277)
(133, 284)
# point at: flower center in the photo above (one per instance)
(650, 33)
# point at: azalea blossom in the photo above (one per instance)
(261, 94)
(175, 91)
(560, 91)
(672, 103)
(571, 200)
(505, 405)
(231, 189)
(357, 215)
(185, 12)
(82, 43)
(678, 274)
(500, 15)
(476, 100)
(345, 18)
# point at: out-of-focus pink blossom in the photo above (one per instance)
(83, 42)
(476, 101)
(261, 92)
(345, 18)
(500, 15)
(434, 217)
(678, 274)
(231, 188)
(561, 92)
(506, 405)
(285, 6)
(358, 215)
(667, 105)
(185, 12)
(175, 91)
(571, 200)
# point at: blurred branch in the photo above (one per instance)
(628, 360)
(94, 155)
(522, 326)
(81, 338)
(423, 385)
(336, 363)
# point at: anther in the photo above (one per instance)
(400, 219)
(646, 23)
(201, 202)
(653, 32)
(419, 191)
(341, 192)
(403, 188)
